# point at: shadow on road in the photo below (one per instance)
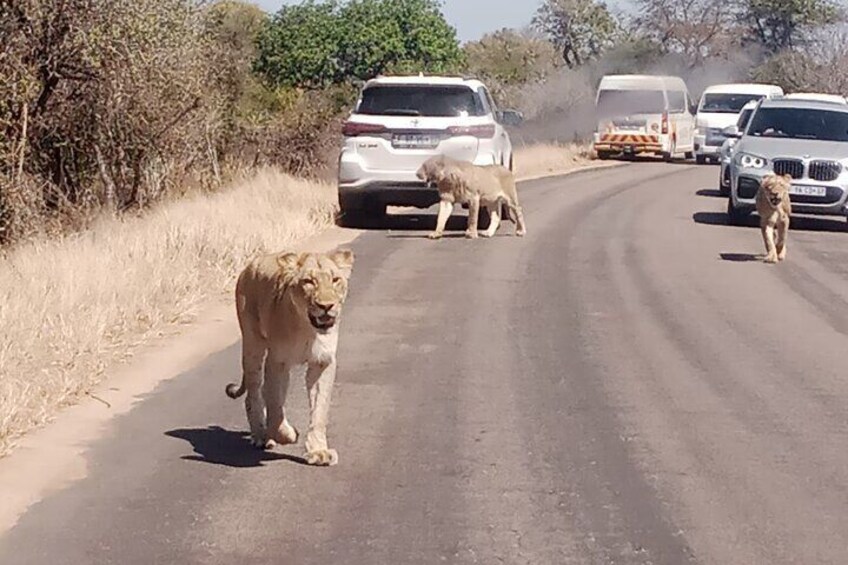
(740, 257)
(710, 193)
(799, 223)
(218, 446)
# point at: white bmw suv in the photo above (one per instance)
(400, 122)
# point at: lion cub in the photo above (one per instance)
(466, 183)
(288, 309)
(774, 209)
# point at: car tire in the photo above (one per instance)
(701, 160)
(689, 155)
(736, 216)
(604, 155)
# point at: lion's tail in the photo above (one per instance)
(234, 391)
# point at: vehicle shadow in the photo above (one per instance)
(799, 223)
(227, 448)
(710, 193)
(408, 222)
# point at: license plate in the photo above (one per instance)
(415, 141)
(805, 190)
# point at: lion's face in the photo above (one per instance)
(432, 171)
(318, 285)
(776, 188)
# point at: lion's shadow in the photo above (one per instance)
(227, 448)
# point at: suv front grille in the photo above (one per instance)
(791, 167)
(825, 171)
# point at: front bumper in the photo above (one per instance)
(706, 147)
(745, 183)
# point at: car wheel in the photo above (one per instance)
(701, 160)
(604, 155)
(688, 155)
(736, 216)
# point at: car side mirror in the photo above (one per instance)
(731, 132)
(510, 117)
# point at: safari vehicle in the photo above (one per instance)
(726, 151)
(719, 108)
(644, 114)
(400, 122)
(805, 139)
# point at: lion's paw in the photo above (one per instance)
(520, 233)
(782, 255)
(434, 235)
(323, 457)
(286, 435)
(471, 234)
(771, 258)
(262, 443)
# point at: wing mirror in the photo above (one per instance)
(510, 117)
(731, 132)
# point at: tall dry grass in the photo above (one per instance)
(543, 159)
(70, 307)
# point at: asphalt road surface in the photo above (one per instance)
(627, 384)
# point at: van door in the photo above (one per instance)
(681, 120)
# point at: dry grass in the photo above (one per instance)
(549, 159)
(70, 307)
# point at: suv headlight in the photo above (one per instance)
(751, 161)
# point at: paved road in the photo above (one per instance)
(627, 385)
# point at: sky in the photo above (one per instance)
(472, 18)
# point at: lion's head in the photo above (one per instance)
(317, 284)
(433, 170)
(776, 188)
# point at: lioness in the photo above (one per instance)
(288, 308)
(774, 209)
(466, 183)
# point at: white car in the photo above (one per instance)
(400, 122)
(817, 97)
(644, 114)
(726, 151)
(719, 107)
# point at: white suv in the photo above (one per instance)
(400, 122)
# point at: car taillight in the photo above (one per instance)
(665, 123)
(353, 129)
(483, 132)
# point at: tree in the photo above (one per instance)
(784, 24)
(300, 46)
(580, 29)
(511, 57)
(695, 29)
(316, 44)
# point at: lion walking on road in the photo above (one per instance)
(775, 210)
(489, 186)
(288, 309)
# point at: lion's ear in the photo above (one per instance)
(343, 258)
(288, 262)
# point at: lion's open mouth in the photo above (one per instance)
(322, 322)
(775, 201)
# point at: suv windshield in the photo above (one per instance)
(800, 123)
(719, 103)
(426, 101)
(616, 103)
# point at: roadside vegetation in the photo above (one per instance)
(148, 148)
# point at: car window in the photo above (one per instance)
(424, 100)
(743, 120)
(491, 100)
(615, 103)
(488, 106)
(799, 123)
(719, 103)
(676, 101)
